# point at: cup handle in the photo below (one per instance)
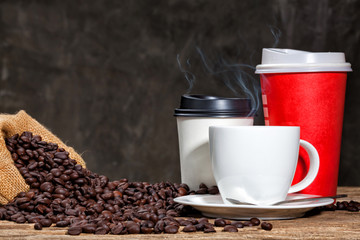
(313, 169)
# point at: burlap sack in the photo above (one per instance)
(11, 181)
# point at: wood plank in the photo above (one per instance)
(323, 225)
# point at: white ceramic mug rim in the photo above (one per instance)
(264, 127)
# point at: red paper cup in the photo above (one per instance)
(308, 90)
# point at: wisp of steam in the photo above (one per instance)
(190, 78)
(276, 33)
(233, 75)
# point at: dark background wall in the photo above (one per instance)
(103, 75)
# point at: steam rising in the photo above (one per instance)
(276, 33)
(234, 76)
(190, 78)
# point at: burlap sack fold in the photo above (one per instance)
(11, 181)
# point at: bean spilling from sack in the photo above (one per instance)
(64, 194)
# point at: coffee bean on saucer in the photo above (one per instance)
(266, 226)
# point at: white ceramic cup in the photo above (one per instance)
(256, 164)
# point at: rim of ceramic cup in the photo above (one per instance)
(226, 126)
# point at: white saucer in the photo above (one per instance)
(213, 206)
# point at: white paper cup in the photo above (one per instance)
(194, 117)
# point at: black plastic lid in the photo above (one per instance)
(211, 106)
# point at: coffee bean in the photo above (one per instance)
(202, 191)
(65, 177)
(47, 187)
(237, 224)
(21, 200)
(20, 151)
(30, 180)
(230, 228)
(171, 229)
(193, 221)
(209, 230)
(29, 152)
(46, 222)
(37, 226)
(133, 228)
(255, 221)
(117, 229)
(184, 222)
(74, 230)
(219, 222)
(182, 191)
(146, 230)
(89, 228)
(213, 190)
(107, 196)
(266, 226)
(189, 228)
(248, 224)
(352, 209)
(25, 157)
(14, 156)
(203, 220)
(61, 155)
(25, 139)
(63, 223)
(340, 206)
(20, 219)
(32, 166)
(200, 226)
(159, 227)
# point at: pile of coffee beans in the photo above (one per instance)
(64, 194)
(351, 206)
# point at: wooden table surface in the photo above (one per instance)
(325, 225)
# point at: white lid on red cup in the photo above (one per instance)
(277, 60)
